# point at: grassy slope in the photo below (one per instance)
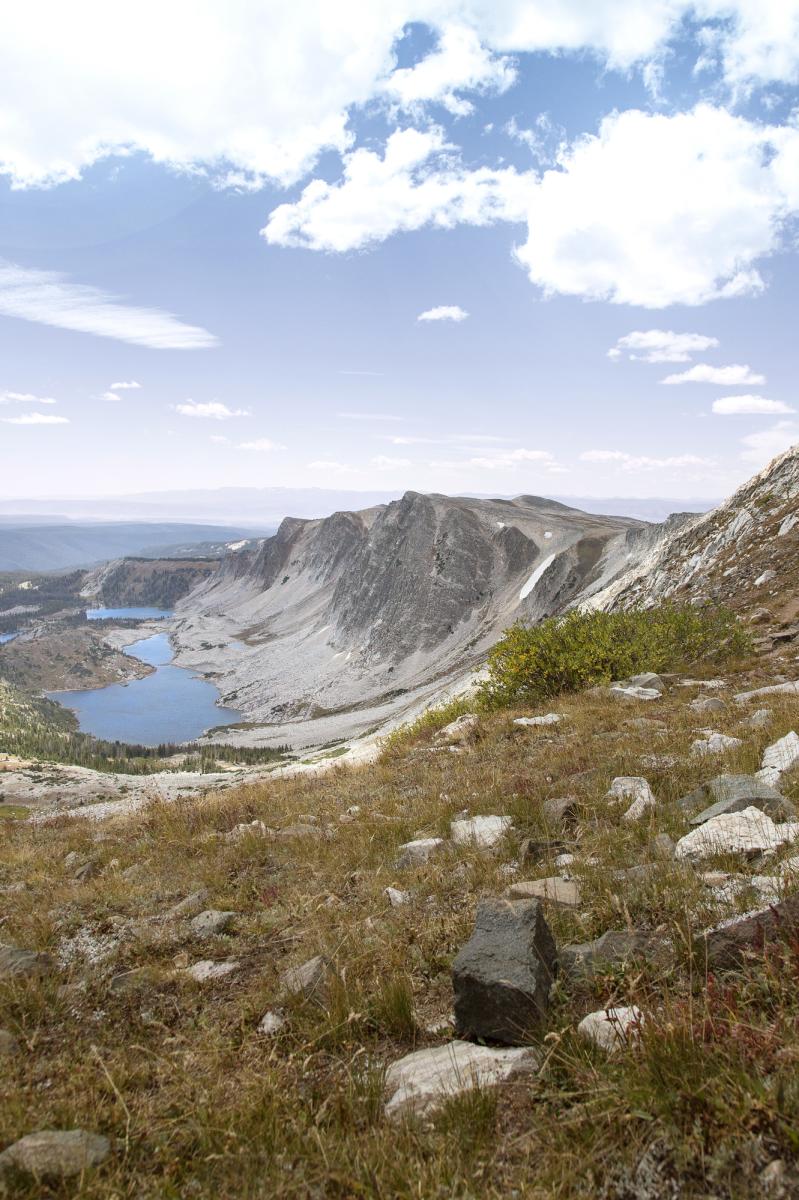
(201, 1105)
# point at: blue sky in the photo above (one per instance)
(246, 213)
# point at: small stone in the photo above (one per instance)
(648, 679)
(482, 832)
(87, 870)
(759, 719)
(631, 692)
(554, 890)
(56, 1153)
(211, 923)
(190, 904)
(561, 811)
(396, 898)
(8, 1044)
(248, 829)
(292, 832)
(646, 724)
(207, 970)
(418, 852)
(714, 743)
(271, 1024)
(502, 976)
(772, 1178)
(72, 861)
(766, 577)
(130, 981)
(28, 963)
(422, 1081)
(632, 787)
(309, 981)
(547, 719)
(611, 1028)
(707, 704)
(788, 524)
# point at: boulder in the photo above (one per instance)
(611, 1028)
(56, 1153)
(779, 757)
(707, 704)
(583, 960)
(774, 689)
(738, 832)
(632, 787)
(561, 811)
(418, 852)
(723, 946)
(554, 890)
(714, 743)
(211, 923)
(423, 1081)
(503, 974)
(309, 981)
(546, 719)
(734, 793)
(648, 679)
(28, 963)
(483, 832)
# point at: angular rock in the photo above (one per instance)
(395, 897)
(271, 1024)
(714, 743)
(632, 787)
(207, 969)
(631, 692)
(309, 981)
(189, 904)
(130, 981)
(503, 974)
(584, 959)
(648, 679)
(87, 870)
(418, 852)
(211, 923)
(28, 963)
(779, 757)
(723, 946)
(461, 732)
(483, 832)
(739, 832)
(774, 689)
(554, 890)
(707, 704)
(560, 811)
(734, 793)
(547, 719)
(611, 1028)
(8, 1044)
(759, 719)
(424, 1080)
(56, 1153)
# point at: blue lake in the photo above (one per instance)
(170, 705)
(135, 614)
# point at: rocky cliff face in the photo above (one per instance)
(331, 625)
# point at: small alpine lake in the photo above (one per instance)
(168, 705)
(140, 613)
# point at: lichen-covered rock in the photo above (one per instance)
(56, 1153)
(503, 974)
(211, 923)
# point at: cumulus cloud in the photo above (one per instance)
(262, 445)
(444, 312)
(35, 418)
(417, 181)
(732, 406)
(110, 397)
(736, 375)
(212, 410)
(50, 298)
(761, 447)
(125, 386)
(642, 462)
(661, 345)
(460, 62)
(24, 398)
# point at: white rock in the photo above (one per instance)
(750, 829)
(632, 787)
(766, 577)
(252, 829)
(271, 1023)
(547, 719)
(423, 1080)
(714, 743)
(634, 693)
(779, 757)
(773, 690)
(759, 719)
(790, 522)
(412, 854)
(611, 1028)
(461, 731)
(480, 831)
(396, 898)
(207, 969)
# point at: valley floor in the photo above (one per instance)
(133, 1020)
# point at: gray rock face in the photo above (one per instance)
(56, 1153)
(583, 959)
(724, 946)
(14, 961)
(503, 974)
(734, 793)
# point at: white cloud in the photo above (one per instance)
(219, 439)
(444, 312)
(418, 181)
(367, 416)
(736, 375)
(730, 406)
(761, 447)
(35, 418)
(642, 462)
(661, 345)
(460, 62)
(49, 298)
(110, 397)
(325, 464)
(212, 410)
(125, 386)
(504, 460)
(24, 398)
(657, 210)
(261, 444)
(384, 462)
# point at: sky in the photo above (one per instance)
(511, 246)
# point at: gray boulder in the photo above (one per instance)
(55, 1153)
(583, 960)
(561, 811)
(30, 963)
(309, 981)
(734, 793)
(723, 946)
(211, 922)
(503, 974)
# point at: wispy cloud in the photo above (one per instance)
(125, 386)
(24, 398)
(261, 444)
(110, 397)
(35, 418)
(642, 462)
(326, 464)
(444, 312)
(50, 298)
(736, 375)
(385, 462)
(211, 410)
(367, 416)
(733, 406)
(761, 447)
(661, 346)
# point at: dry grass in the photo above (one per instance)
(200, 1104)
